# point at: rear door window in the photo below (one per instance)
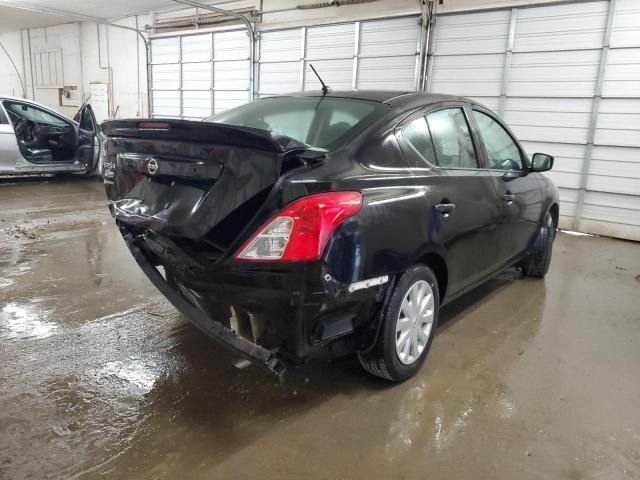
(418, 136)
(451, 138)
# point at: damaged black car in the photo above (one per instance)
(316, 225)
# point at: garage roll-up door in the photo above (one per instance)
(372, 54)
(540, 68)
(194, 76)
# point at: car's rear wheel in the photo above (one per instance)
(407, 329)
(537, 263)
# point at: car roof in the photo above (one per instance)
(402, 99)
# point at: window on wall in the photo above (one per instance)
(451, 138)
(502, 151)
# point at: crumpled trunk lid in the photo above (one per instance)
(183, 178)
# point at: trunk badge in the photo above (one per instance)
(152, 166)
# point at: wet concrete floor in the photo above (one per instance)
(102, 378)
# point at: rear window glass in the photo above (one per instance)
(317, 121)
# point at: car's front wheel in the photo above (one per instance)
(407, 329)
(537, 263)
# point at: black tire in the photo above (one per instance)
(383, 360)
(537, 263)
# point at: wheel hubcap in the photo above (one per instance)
(414, 323)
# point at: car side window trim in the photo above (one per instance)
(423, 112)
(4, 119)
(524, 158)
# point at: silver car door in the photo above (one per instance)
(8, 144)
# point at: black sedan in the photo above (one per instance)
(313, 226)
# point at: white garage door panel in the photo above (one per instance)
(620, 154)
(618, 136)
(616, 230)
(281, 45)
(197, 48)
(472, 33)
(492, 103)
(196, 76)
(330, 41)
(554, 74)
(372, 54)
(550, 91)
(549, 119)
(186, 69)
(468, 75)
(554, 105)
(567, 164)
(538, 133)
(165, 50)
(546, 121)
(564, 179)
(279, 77)
(622, 78)
(232, 75)
(617, 184)
(618, 215)
(166, 103)
(196, 104)
(613, 201)
(619, 123)
(231, 45)
(626, 24)
(166, 77)
(612, 168)
(571, 26)
(226, 100)
(389, 37)
(338, 74)
(386, 73)
(558, 150)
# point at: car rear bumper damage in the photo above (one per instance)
(261, 356)
(271, 317)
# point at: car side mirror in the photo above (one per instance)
(541, 162)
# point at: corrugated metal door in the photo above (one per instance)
(539, 67)
(380, 54)
(194, 76)
(612, 197)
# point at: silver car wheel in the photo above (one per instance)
(414, 323)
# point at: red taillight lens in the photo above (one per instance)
(301, 230)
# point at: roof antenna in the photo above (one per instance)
(325, 89)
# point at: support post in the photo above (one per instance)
(593, 121)
(506, 71)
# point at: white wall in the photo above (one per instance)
(79, 45)
(9, 80)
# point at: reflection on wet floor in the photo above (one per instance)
(103, 378)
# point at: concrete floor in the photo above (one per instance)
(100, 377)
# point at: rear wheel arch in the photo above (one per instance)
(437, 263)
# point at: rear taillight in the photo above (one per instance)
(301, 230)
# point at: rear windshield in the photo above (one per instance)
(316, 121)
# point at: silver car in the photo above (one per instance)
(37, 140)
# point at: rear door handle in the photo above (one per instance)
(446, 209)
(509, 198)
